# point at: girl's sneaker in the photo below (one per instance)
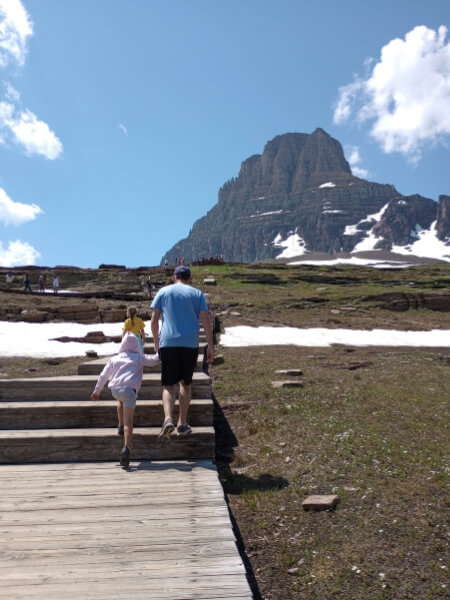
(120, 430)
(125, 456)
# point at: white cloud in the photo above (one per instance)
(354, 158)
(18, 253)
(28, 131)
(123, 128)
(16, 213)
(11, 93)
(406, 94)
(15, 28)
(35, 136)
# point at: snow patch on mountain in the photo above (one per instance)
(426, 244)
(293, 245)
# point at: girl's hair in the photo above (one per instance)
(131, 313)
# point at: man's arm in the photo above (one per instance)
(206, 321)
(156, 313)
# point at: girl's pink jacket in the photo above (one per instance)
(126, 369)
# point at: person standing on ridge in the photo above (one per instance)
(27, 284)
(181, 306)
(149, 286)
(55, 285)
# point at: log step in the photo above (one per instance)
(79, 387)
(94, 367)
(94, 444)
(85, 413)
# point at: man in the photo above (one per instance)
(181, 307)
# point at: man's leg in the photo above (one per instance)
(185, 401)
(169, 395)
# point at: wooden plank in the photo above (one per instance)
(99, 573)
(105, 523)
(181, 588)
(106, 486)
(96, 555)
(163, 467)
(66, 516)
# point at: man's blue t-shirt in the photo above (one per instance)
(180, 305)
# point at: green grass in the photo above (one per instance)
(377, 440)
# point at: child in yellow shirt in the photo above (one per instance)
(134, 324)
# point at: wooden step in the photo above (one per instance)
(86, 413)
(79, 387)
(94, 367)
(99, 444)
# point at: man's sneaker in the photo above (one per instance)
(120, 430)
(184, 429)
(125, 456)
(166, 429)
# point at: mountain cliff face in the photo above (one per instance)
(301, 189)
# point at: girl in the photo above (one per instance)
(134, 324)
(124, 373)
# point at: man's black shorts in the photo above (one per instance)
(177, 364)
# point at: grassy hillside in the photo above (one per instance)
(368, 424)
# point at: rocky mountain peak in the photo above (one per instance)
(301, 189)
(291, 163)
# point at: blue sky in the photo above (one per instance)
(121, 119)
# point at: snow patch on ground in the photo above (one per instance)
(321, 337)
(37, 339)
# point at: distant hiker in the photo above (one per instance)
(134, 324)
(124, 373)
(180, 306)
(55, 285)
(26, 284)
(9, 279)
(149, 286)
(41, 284)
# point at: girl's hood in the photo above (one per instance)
(130, 343)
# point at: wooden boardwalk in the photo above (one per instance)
(92, 531)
